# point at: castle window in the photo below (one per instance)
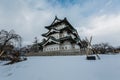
(63, 35)
(65, 47)
(73, 46)
(62, 47)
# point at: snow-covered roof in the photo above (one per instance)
(57, 21)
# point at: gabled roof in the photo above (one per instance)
(51, 40)
(52, 31)
(59, 22)
(49, 43)
(56, 20)
(69, 30)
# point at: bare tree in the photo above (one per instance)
(7, 38)
(103, 48)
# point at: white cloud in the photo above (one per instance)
(28, 18)
(26, 21)
(104, 28)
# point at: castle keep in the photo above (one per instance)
(61, 36)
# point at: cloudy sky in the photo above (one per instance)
(97, 18)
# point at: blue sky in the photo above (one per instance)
(97, 18)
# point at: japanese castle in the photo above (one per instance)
(61, 36)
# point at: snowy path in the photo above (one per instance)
(63, 68)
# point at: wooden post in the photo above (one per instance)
(1, 53)
(87, 51)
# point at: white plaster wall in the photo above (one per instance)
(57, 36)
(73, 36)
(64, 34)
(66, 46)
(77, 46)
(60, 26)
(69, 46)
(54, 47)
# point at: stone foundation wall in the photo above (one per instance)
(57, 53)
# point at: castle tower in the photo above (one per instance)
(60, 36)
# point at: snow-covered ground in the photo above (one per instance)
(63, 68)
